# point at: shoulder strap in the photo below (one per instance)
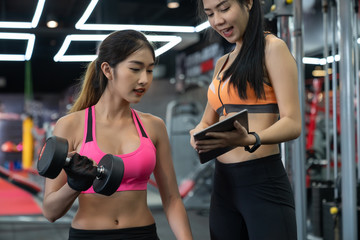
(139, 124)
(89, 136)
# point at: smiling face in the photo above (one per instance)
(132, 77)
(228, 18)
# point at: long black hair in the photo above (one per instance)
(249, 65)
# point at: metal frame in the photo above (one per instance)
(349, 213)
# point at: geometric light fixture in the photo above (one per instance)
(18, 36)
(81, 24)
(32, 24)
(202, 26)
(171, 41)
(144, 28)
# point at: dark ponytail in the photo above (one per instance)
(93, 86)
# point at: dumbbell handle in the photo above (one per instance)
(100, 170)
(67, 161)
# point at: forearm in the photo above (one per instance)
(209, 117)
(178, 219)
(56, 204)
(199, 127)
(285, 129)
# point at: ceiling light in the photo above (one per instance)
(145, 28)
(38, 12)
(61, 57)
(173, 3)
(86, 14)
(202, 26)
(52, 24)
(320, 61)
(32, 24)
(321, 72)
(19, 36)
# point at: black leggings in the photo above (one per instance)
(134, 233)
(252, 200)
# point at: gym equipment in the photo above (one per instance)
(53, 157)
(9, 147)
(20, 181)
(320, 193)
(332, 219)
(28, 143)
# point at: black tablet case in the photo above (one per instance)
(222, 126)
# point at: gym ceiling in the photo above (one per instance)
(51, 76)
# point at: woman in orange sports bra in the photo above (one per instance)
(252, 197)
(101, 122)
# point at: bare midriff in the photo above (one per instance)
(257, 123)
(124, 209)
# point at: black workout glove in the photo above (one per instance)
(80, 172)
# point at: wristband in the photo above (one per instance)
(256, 145)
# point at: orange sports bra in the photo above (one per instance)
(224, 98)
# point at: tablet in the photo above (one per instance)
(222, 126)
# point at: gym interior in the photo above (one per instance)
(40, 70)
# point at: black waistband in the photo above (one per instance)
(250, 172)
(134, 233)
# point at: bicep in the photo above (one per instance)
(164, 171)
(62, 130)
(209, 116)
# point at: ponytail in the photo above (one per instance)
(93, 86)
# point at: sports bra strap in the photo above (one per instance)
(138, 123)
(89, 114)
(89, 136)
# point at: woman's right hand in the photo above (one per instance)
(209, 117)
(192, 140)
(81, 172)
(192, 132)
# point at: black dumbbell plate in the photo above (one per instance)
(52, 157)
(109, 181)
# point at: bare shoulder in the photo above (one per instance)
(219, 63)
(150, 120)
(154, 125)
(222, 59)
(71, 127)
(70, 120)
(274, 46)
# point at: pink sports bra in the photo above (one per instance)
(138, 165)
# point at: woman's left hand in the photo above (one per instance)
(236, 138)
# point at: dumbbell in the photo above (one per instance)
(53, 157)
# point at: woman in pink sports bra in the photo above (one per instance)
(101, 122)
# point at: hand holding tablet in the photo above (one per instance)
(222, 126)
